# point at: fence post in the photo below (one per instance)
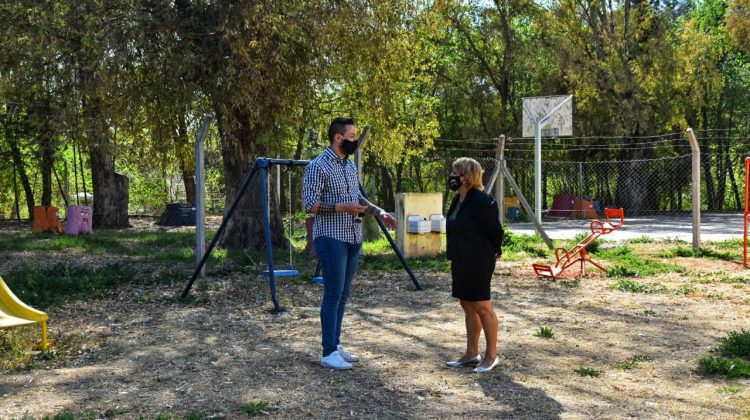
(200, 196)
(696, 199)
(500, 182)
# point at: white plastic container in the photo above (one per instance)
(415, 224)
(437, 223)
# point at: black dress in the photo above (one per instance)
(474, 241)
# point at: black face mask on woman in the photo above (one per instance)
(349, 146)
(454, 181)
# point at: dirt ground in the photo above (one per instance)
(142, 352)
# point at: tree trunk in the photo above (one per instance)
(47, 152)
(15, 153)
(399, 175)
(240, 147)
(110, 190)
(635, 191)
(386, 187)
(186, 158)
(735, 189)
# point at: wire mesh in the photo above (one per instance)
(643, 175)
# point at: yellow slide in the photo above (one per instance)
(14, 313)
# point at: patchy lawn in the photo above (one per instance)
(139, 351)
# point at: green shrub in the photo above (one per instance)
(592, 248)
(736, 344)
(585, 371)
(730, 368)
(545, 332)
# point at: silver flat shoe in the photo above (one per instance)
(455, 364)
(482, 369)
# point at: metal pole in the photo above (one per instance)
(278, 186)
(200, 196)
(580, 190)
(526, 207)
(263, 164)
(538, 171)
(393, 245)
(500, 186)
(696, 188)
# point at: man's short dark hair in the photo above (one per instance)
(338, 126)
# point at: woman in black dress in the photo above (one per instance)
(474, 239)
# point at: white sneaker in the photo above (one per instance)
(334, 361)
(348, 357)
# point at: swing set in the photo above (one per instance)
(261, 167)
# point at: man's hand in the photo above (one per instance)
(355, 209)
(388, 220)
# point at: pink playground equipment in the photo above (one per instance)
(747, 214)
(78, 220)
(577, 254)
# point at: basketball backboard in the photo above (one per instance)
(560, 122)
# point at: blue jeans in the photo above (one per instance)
(339, 263)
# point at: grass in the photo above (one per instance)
(634, 286)
(735, 280)
(545, 332)
(392, 263)
(69, 415)
(735, 344)
(634, 361)
(734, 357)
(150, 246)
(571, 284)
(718, 366)
(647, 313)
(61, 282)
(587, 371)
(686, 289)
(728, 389)
(255, 408)
(592, 248)
(683, 251)
(16, 346)
(628, 264)
(518, 246)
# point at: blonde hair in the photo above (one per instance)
(471, 170)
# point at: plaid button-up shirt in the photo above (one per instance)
(331, 180)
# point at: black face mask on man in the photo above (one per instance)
(454, 182)
(349, 146)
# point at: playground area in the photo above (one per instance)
(139, 351)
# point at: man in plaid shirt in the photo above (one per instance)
(331, 192)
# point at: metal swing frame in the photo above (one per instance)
(261, 167)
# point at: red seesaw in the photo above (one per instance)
(577, 254)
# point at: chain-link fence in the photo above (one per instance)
(647, 175)
(644, 175)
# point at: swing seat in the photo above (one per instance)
(281, 273)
